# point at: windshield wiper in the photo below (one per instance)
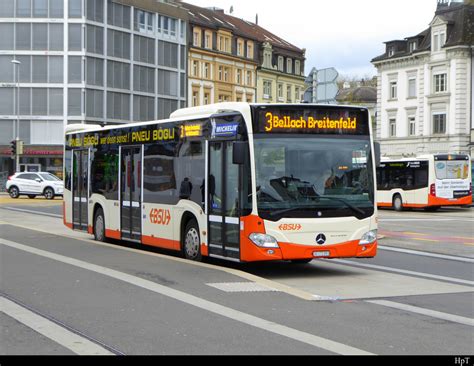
(286, 210)
(348, 204)
(298, 208)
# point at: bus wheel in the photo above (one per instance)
(192, 242)
(397, 203)
(99, 225)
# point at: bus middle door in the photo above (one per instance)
(223, 201)
(80, 190)
(131, 192)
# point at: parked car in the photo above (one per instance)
(34, 184)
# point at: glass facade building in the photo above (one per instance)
(85, 61)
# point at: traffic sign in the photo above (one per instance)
(329, 75)
(311, 77)
(322, 86)
(327, 92)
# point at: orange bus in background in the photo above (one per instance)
(429, 182)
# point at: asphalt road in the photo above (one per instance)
(62, 293)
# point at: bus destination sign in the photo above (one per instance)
(326, 121)
(275, 122)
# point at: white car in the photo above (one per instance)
(35, 184)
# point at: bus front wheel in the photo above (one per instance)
(398, 203)
(192, 242)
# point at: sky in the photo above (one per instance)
(345, 34)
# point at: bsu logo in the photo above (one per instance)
(160, 217)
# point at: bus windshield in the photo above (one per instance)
(314, 177)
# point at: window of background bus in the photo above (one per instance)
(404, 175)
(455, 169)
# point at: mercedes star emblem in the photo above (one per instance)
(321, 239)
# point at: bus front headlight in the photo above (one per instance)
(368, 238)
(263, 240)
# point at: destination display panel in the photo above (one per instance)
(330, 120)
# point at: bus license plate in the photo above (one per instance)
(321, 254)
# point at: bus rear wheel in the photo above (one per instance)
(192, 242)
(397, 203)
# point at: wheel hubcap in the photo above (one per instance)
(191, 243)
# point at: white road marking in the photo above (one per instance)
(212, 307)
(68, 233)
(51, 330)
(423, 311)
(233, 287)
(403, 271)
(332, 281)
(32, 211)
(425, 219)
(426, 254)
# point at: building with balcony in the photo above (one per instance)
(85, 61)
(425, 86)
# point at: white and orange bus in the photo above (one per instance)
(236, 181)
(429, 182)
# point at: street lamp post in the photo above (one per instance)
(16, 72)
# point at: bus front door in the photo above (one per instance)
(131, 192)
(80, 190)
(223, 202)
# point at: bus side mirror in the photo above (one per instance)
(377, 153)
(240, 152)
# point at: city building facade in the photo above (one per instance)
(280, 69)
(231, 59)
(424, 87)
(222, 58)
(85, 61)
(280, 75)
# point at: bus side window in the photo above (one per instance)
(186, 189)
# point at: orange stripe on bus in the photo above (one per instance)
(433, 201)
(113, 234)
(436, 201)
(161, 243)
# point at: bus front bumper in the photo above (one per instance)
(289, 251)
